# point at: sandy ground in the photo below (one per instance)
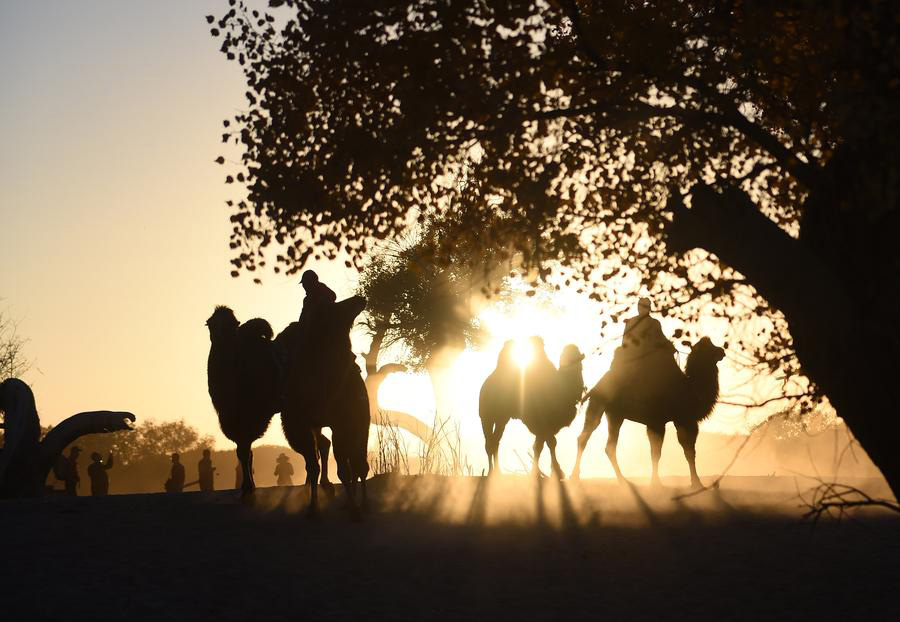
(450, 548)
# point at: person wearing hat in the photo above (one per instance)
(284, 471)
(318, 295)
(97, 472)
(67, 471)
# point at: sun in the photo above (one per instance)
(522, 352)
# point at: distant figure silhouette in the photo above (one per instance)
(637, 394)
(175, 483)
(544, 398)
(284, 471)
(205, 471)
(67, 471)
(97, 472)
(318, 296)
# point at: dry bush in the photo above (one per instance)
(440, 453)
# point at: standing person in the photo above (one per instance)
(284, 471)
(206, 470)
(97, 472)
(175, 483)
(67, 470)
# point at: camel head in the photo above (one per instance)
(345, 312)
(570, 356)
(222, 323)
(505, 358)
(707, 351)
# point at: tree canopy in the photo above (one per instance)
(737, 158)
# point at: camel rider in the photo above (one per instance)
(318, 296)
(644, 334)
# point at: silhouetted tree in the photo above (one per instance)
(423, 294)
(12, 360)
(777, 123)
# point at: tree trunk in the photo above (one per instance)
(375, 376)
(837, 341)
(440, 369)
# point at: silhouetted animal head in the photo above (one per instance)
(348, 309)
(570, 356)
(505, 358)
(222, 323)
(331, 331)
(706, 350)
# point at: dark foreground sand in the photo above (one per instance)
(450, 548)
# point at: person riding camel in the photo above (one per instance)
(644, 334)
(644, 348)
(318, 296)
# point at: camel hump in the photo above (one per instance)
(256, 328)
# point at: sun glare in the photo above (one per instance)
(522, 353)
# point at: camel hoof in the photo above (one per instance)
(328, 488)
(575, 476)
(698, 485)
(248, 497)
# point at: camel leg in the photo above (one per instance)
(591, 421)
(306, 446)
(245, 457)
(499, 428)
(687, 437)
(557, 470)
(343, 456)
(359, 463)
(487, 426)
(324, 446)
(656, 436)
(538, 448)
(613, 440)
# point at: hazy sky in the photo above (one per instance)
(114, 234)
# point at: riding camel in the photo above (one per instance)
(245, 377)
(324, 388)
(654, 394)
(543, 398)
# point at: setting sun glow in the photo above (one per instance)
(522, 353)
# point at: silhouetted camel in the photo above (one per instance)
(683, 398)
(325, 388)
(498, 401)
(542, 397)
(246, 382)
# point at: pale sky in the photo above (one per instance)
(114, 236)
